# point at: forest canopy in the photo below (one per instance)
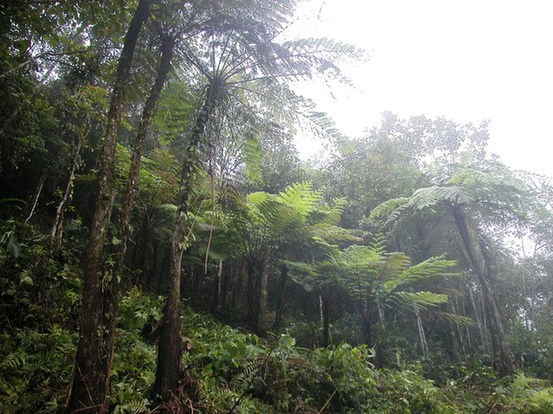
(164, 247)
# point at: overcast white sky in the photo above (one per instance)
(466, 60)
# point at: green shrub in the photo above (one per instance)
(406, 391)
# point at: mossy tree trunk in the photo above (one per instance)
(169, 357)
(504, 359)
(113, 293)
(87, 392)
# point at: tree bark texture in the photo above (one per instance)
(113, 293)
(218, 285)
(256, 294)
(169, 357)
(422, 335)
(324, 304)
(281, 297)
(87, 392)
(499, 341)
(56, 234)
(369, 317)
(36, 194)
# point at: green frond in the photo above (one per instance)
(379, 244)
(132, 407)
(258, 198)
(421, 299)
(433, 267)
(333, 234)
(253, 157)
(172, 208)
(457, 319)
(429, 197)
(14, 361)
(329, 249)
(387, 209)
(300, 268)
(301, 197)
(360, 258)
(321, 125)
(319, 56)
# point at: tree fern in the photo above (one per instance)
(253, 157)
(433, 267)
(420, 299)
(300, 197)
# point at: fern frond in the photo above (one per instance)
(301, 197)
(133, 407)
(433, 267)
(333, 234)
(421, 299)
(457, 319)
(14, 361)
(387, 208)
(253, 157)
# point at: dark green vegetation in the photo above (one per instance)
(151, 197)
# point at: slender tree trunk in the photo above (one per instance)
(88, 389)
(256, 295)
(281, 297)
(237, 288)
(112, 294)
(372, 318)
(369, 319)
(226, 281)
(379, 350)
(452, 349)
(506, 363)
(148, 276)
(465, 347)
(56, 234)
(422, 335)
(324, 307)
(169, 355)
(216, 304)
(501, 348)
(479, 317)
(37, 193)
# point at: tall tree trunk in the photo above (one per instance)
(422, 335)
(281, 297)
(169, 356)
(225, 283)
(451, 327)
(256, 295)
(499, 341)
(237, 287)
(479, 317)
(324, 307)
(368, 319)
(88, 389)
(112, 294)
(505, 363)
(372, 318)
(37, 193)
(218, 283)
(56, 234)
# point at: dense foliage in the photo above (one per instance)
(163, 247)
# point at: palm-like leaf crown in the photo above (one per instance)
(388, 278)
(489, 192)
(240, 56)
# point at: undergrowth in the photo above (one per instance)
(229, 371)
